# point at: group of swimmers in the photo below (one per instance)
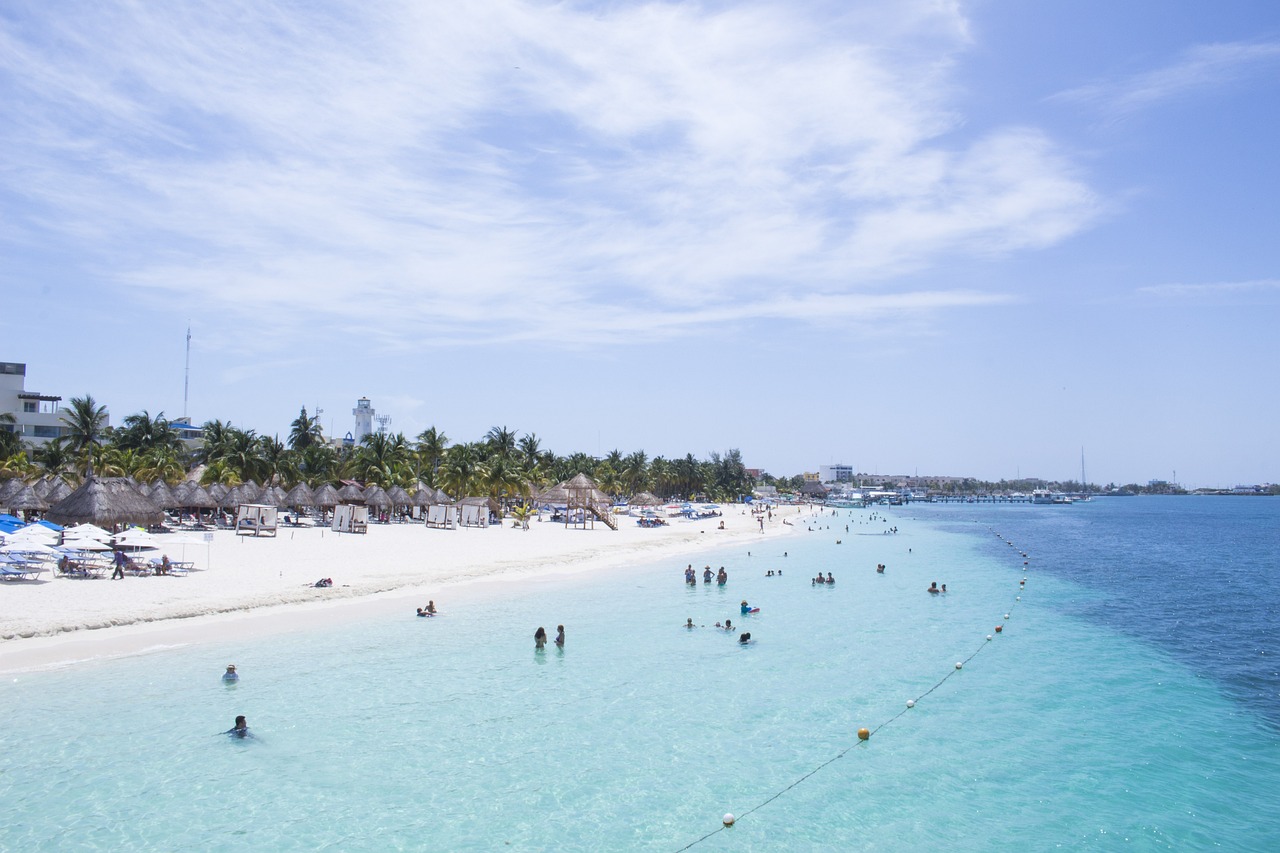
(429, 610)
(743, 639)
(690, 577)
(771, 573)
(933, 588)
(820, 579)
(240, 729)
(540, 637)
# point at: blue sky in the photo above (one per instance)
(945, 237)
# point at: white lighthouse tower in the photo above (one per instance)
(364, 419)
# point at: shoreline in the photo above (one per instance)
(244, 586)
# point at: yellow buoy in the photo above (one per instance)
(863, 734)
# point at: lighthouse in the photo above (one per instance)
(364, 419)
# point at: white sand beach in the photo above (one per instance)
(262, 584)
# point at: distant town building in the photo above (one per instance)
(38, 418)
(837, 473)
(191, 436)
(812, 477)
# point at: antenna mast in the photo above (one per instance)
(186, 379)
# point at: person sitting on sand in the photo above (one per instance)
(933, 588)
(539, 638)
(230, 676)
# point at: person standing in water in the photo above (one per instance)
(239, 730)
(230, 676)
(560, 636)
(539, 638)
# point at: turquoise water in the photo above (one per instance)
(1067, 730)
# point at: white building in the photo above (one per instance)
(835, 473)
(364, 420)
(38, 416)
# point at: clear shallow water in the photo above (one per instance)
(452, 734)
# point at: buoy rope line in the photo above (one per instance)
(728, 821)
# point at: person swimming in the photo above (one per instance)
(539, 638)
(728, 624)
(830, 579)
(744, 638)
(689, 623)
(560, 636)
(933, 588)
(230, 676)
(240, 729)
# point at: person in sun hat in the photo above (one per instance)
(230, 676)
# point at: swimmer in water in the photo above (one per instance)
(744, 639)
(933, 588)
(539, 638)
(230, 676)
(431, 608)
(239, 730)
(560, 636)
(728, 625)
(689, 623)
(746, 608)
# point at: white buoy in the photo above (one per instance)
(1006, 616)
(729, 819)
(1019, 598)
(911, 703)
(988, 636)
(959, 665)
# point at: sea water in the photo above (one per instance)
(1129, 701)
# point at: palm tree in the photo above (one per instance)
(143, 432)
(461, 470)
(305, 431)
(240, 453)
(317, 464)
(10, 442)
(53, 457)
(529, 450)
(85, 424)
(380, 458)
(635, 472)
(432, 444)
(275, 461)
(500, 442)
(17, 465)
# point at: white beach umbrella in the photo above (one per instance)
(84, 545)
(135, 538)
(28, 548)
(86, 531)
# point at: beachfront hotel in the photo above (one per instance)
(37, 417)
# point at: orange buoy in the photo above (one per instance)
(863, 734)
(999, 628)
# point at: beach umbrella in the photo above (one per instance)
(26, 500)
(424, 496)
(273, 496)
(327, 497)
(58, 490)
(42, 487)
(136, 539)
(162, 496)
(375, 496)
(300, 495)
(351, 493)
(106, 500)
(9, 488)
(86, 531)
(646, 499)
(442, 498)
(399, 497)
(218, 491)
(198, 497)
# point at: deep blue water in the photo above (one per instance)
(1197, 577)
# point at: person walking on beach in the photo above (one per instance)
(120, 560)
(539, 638)
(560, 636)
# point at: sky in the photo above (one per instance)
(915, 236)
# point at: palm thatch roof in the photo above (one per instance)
(399, 497)
(106, 502)
(491, 503)
(424, 496)
(351, 493)
(163, 496)
(327, 496)
(273, 496)
(579, 488)
(192, 494)
(27, 499)
(9, 488)
(300, 495)
(646, 499)
(441, 498)
(375, 496)
(218, 491)
(58, 490)
(42, 486)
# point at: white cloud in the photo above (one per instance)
(1213, 290)
(499, 171)
(1200, 68)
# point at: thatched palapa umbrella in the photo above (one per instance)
(424, 496)
(273, 496)
(26, 500)
(300, 495)
(399, 497)
(9, 488)
(375, 496)
(58, 491)
(351, 494)
(327, 497)
(106, 502)
(162, 496)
